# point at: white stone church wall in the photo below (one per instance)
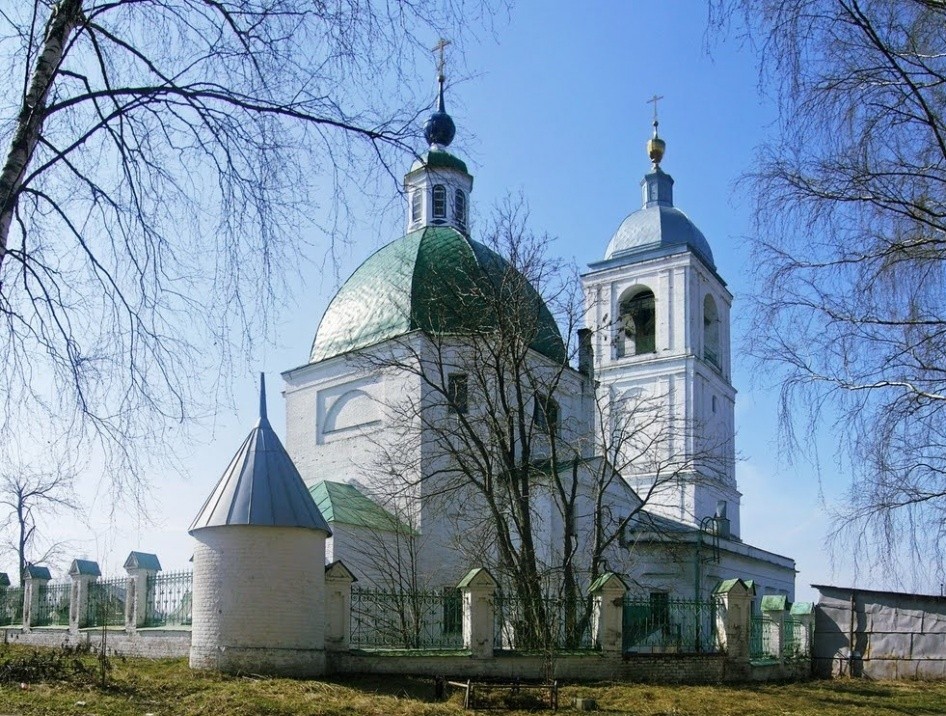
(340, 425)
(671, 568)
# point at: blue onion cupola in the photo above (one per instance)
(658, 227)
(438, 184)
(439, 129)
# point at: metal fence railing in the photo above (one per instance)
(794, 638)
(11, 606)
(543, 624)
(406, 620)
(106, 603)
(760, 638)
(657, 622)
(53, 604)
(169, 599)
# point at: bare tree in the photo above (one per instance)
(30, 497)
(511, 450)
(160, 173)
(850, 227)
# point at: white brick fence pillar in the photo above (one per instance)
(338, 581)
(139, 566)
(734, 617)
(84, 572)
(34, 580)
(803, 613)
(478, 588)
(607, 613)
(774, 609)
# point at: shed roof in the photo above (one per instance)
(345, 504)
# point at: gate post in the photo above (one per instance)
(607, 614)
(35, 579)
(734, 617)
(774, 608)
(804, 615)
(338, 581)
(83, 572)
(478, 588)
(139, 566)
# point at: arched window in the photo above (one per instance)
(711, 331)
(440, 202)
(417, 205)
(459, 208)
(637, 324)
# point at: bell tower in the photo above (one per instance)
(659, 318)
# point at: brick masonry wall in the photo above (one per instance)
(647, 668)
(258, 591)
(149, 643)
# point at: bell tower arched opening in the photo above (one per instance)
(711, 331)
(637, 323)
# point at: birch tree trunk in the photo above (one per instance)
(63, 20)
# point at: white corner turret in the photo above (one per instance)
(259, 530)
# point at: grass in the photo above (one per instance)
(139, 687)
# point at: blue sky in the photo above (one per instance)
(554, 106)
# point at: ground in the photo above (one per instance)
(140, 687)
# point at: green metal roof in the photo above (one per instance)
(802, 608)
(604, 579)
(478, 574)
(438, 159)
(345, 504)
(775, 603)
(436, 280)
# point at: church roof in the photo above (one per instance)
(439, 159)
(261, 486)
(342, 503)
(436, 280)
(658, 226)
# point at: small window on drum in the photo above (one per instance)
(440, 202)
(417, 205)
(459, 208)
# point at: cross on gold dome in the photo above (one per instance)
(654, 100)
(440, 47)
(655, 145)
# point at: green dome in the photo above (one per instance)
(439, 159)
(436, 280)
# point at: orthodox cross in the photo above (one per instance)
(440, 47)
(654, 100)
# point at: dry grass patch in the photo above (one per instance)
(165, 687)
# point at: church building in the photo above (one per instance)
(440, 396)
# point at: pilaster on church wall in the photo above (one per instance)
(681, 327)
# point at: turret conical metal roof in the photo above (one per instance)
(261, 486)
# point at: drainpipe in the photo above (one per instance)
(850, 643)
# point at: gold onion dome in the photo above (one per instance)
(656, 147)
